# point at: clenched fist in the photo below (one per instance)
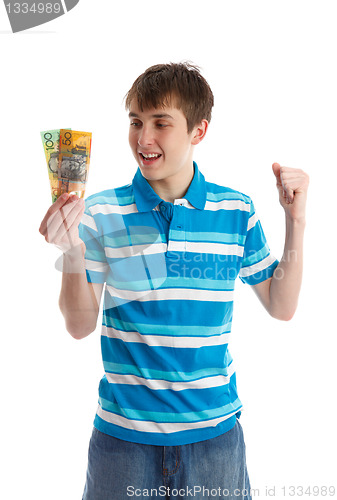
(292, 185)
(60, 224)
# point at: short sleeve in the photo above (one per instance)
(258, 264)
(95, 259)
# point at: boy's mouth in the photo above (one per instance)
(149, 158)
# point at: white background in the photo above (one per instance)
(272, 68)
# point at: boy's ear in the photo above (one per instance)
(199, 132)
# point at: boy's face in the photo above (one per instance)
(160, 142)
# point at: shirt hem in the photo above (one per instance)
(174, 439)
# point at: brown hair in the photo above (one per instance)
(178, 84)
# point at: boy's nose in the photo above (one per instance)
(145, 137)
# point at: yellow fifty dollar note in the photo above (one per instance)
(73, 161)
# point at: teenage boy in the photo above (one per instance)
(168, 247)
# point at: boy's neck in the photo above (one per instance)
(173, 187)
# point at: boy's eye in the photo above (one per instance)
(161, 125)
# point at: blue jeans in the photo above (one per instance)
(215, 468)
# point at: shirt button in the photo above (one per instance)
(163, 209)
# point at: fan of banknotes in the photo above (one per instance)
(68, 156)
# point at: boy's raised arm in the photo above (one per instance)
(279, 294)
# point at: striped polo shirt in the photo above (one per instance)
(169, 271)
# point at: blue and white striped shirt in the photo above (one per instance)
(169, 272)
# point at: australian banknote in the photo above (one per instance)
(51, 145)
(73, 161)
(68, 157)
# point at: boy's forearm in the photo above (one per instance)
(286, 283)
(77, 302)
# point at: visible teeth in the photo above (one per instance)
(151, 155)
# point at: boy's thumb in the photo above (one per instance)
(276, 169)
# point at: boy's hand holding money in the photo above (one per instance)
(60, 224)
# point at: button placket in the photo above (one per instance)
(178, 224)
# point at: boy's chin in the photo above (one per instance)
(149, 173)
(152, 174)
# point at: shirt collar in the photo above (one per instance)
(146, 198)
